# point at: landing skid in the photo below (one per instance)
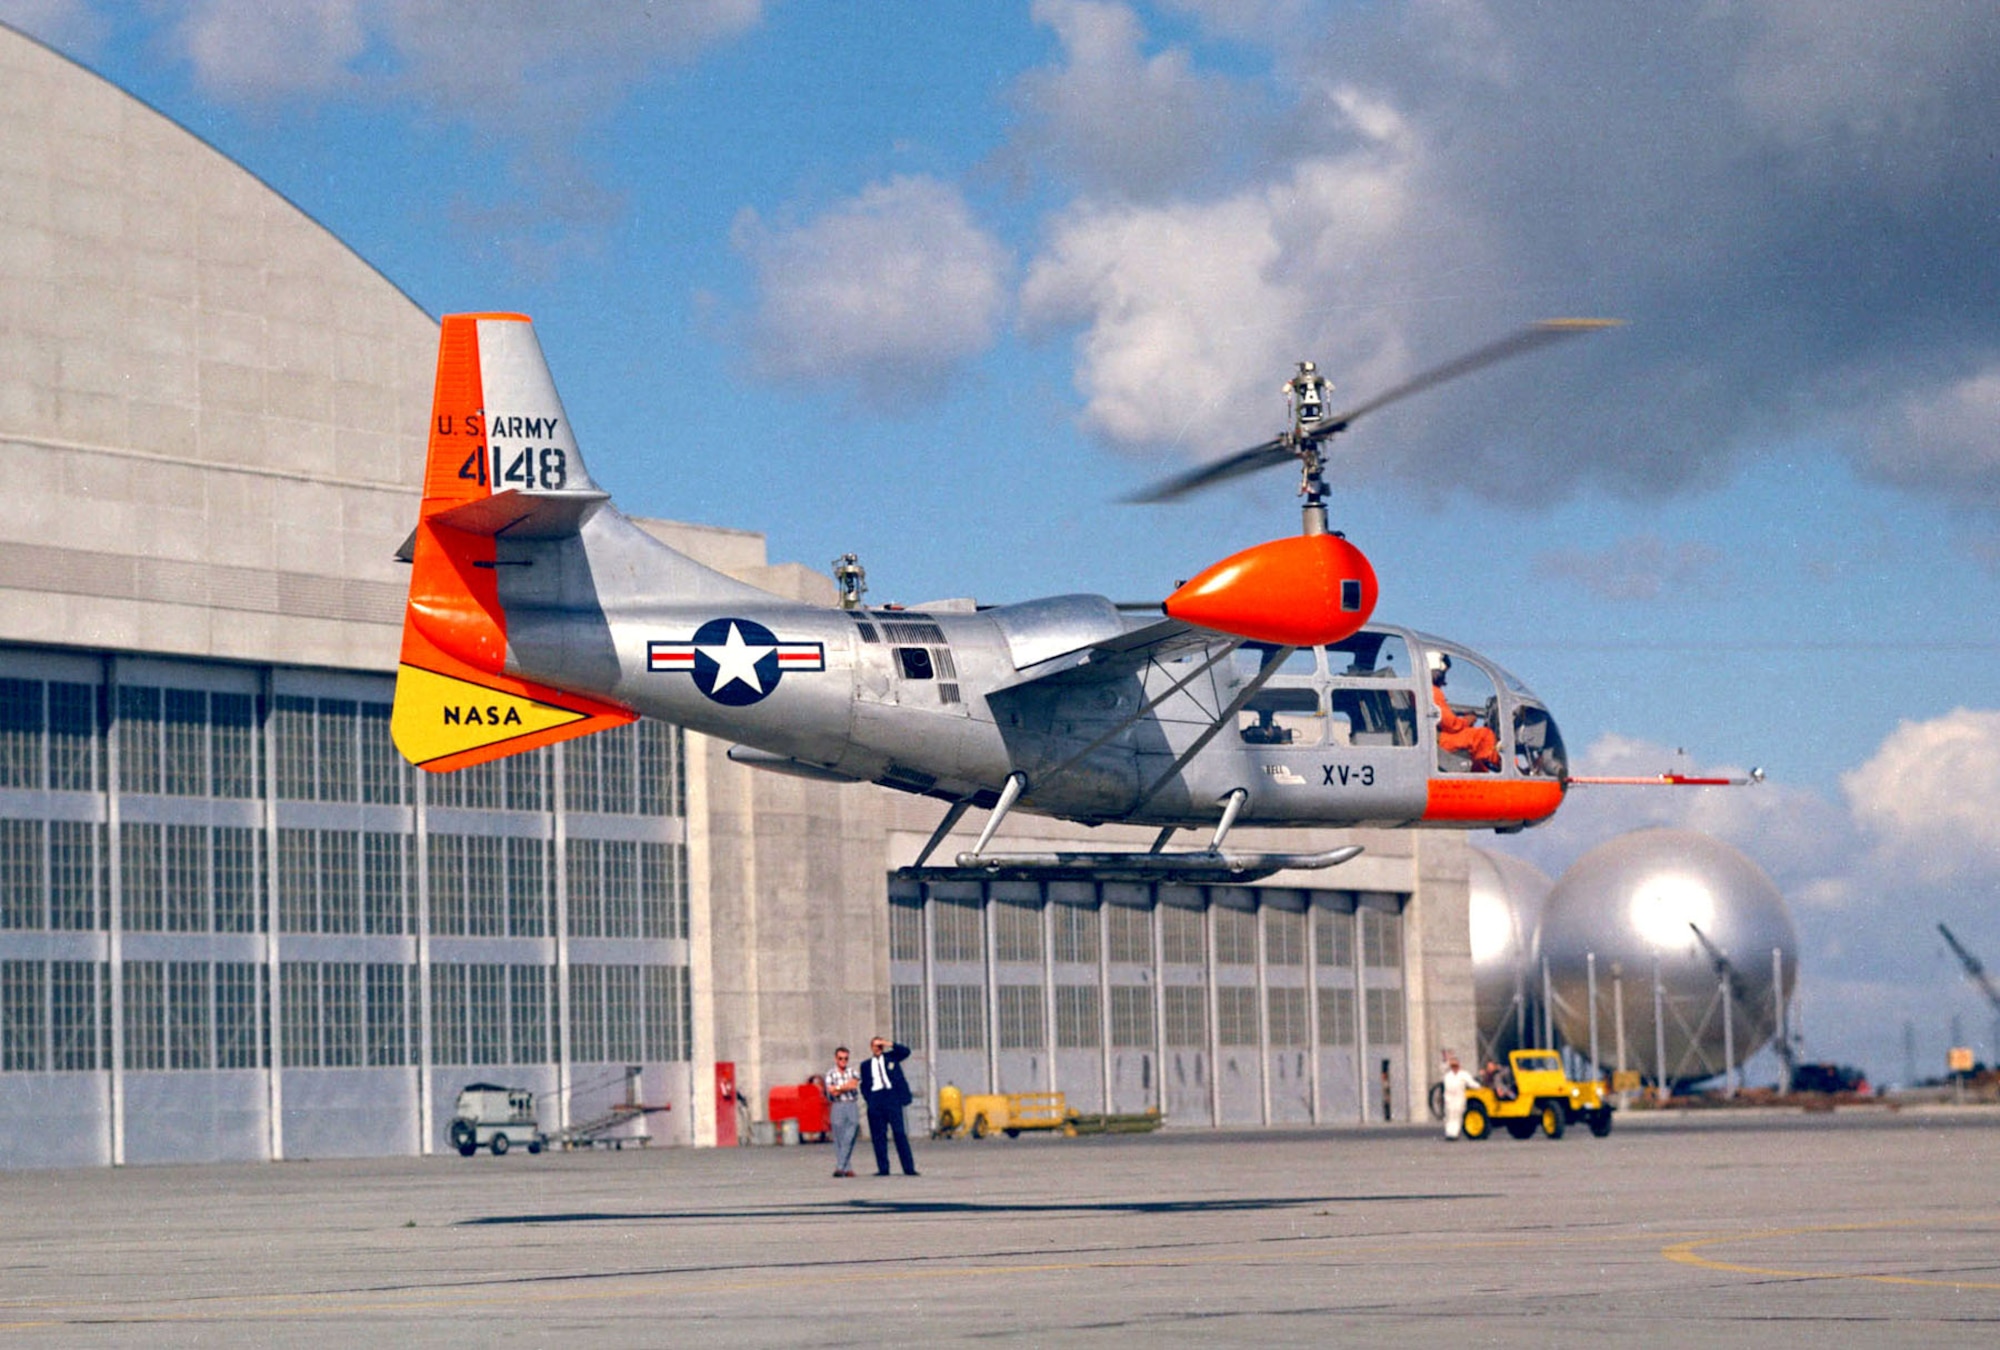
(1206, 866)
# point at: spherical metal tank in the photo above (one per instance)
(1505, 904)
(1638, 909)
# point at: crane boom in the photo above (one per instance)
(1974, 970)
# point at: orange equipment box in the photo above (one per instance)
(803, 1102)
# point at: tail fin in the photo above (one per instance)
(502, 457)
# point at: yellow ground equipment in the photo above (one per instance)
(1545, 1098)
(980, 1114)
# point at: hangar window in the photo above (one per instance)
(621, 1014)
(1183, 936)
(1385, 1017)
(1333, 938)
(1187, 1016)
(73, 751)
(1020, 1009)
(187, 1015)
(906, 1014)
(138, 738)
(21, 875)
(906, 934)
(1132, 934)
(76, 872)
(242, 1037)
(961, 1016)
(1236, 1014)
(77, 1000)
(1017, 933)
(186, 728)
(20, 733)
(21, 1016)
(1336, 1017)
(1132, 1017)
(1287, 1017)
(1284, 938)
(957, 932)
(1076, 933)
(388, 1000)
(1381, 940)
(528, 1009)
(1077, 1017)
(1235, 937)
(232, 737)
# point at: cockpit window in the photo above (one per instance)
(1368, 656)
(1538, 746)
(1281, 717)
(1372, 716)
(1467, 711)
(1251, 656)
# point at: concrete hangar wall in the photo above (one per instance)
(234, 925)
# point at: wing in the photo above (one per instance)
(1115, 657)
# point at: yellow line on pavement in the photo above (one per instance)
(1689, 1253)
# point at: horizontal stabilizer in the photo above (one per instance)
(522, 515)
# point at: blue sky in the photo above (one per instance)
(939, 284)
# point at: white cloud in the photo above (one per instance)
(1192, 315)
(1789, 202)
(1929, 800)
(1115, 119)
(528, 76)
(1946, 436)
(67, 25)
(485, 62)
(890, 290)
(248, 49)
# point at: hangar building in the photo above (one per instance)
(234, 924)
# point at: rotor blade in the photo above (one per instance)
(1257, 457)
(1531, 338)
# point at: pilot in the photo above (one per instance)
(1457, 732)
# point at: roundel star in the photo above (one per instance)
(736, 660)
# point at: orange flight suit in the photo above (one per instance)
(1464, 734)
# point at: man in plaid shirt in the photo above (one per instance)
(843, 1090)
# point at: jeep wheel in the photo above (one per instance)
(1437, 1101)
(979, 1126)
(499, 1144)
(1600, 1121)
(464, 1139)
(1475, 1125)
(1521, 1129)
(1549, 1115)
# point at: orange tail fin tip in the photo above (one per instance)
(455, 705)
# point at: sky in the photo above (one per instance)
(941, 284)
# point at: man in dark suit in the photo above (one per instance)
(887, 1092)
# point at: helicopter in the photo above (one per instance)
(1259, 693)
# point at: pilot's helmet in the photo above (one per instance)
(1438, 662)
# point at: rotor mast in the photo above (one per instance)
(1305, 393)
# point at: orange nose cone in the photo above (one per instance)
(1300, 591)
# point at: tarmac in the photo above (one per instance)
(1687, 1229)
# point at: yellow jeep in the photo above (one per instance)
(1545, 1098)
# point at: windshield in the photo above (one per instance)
(1538, 746)
(1537, 1064)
